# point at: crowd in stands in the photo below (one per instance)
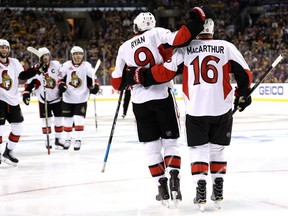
(260, 42)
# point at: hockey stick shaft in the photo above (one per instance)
(112, 131)
(94, 98)
(273, 65)
(46, 117)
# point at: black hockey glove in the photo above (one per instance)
(94, 89)
(135, 75)
(26, 97)
(43, 67)
(62, 87)
(203, 12)
(241, 102)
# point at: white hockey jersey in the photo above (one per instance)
(75, 77)
(49, 81)
(9, 81)
(206, 81)
(144, 51)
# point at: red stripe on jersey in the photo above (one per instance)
(115, 82)
(199, 168)
(172, 161)
(185, 85)
(183, 35)
(226, 79)
(165, 53)
(1, 139)
(218, 167)
(68, 129)
(249, 73)
(157, 169)
(58, 129)
(79, 127)
(162, 74)
(13, 138)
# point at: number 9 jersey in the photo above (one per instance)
(145, 50)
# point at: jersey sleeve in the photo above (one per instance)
(241, 71)
(165, 72)
(183, 36)
(116, 75)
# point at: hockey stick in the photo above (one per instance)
(46, 115)
(94, 98)
(112, 131)
(34, 51)
(273, 65)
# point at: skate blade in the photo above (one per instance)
(201, 207)
(58, 147)
(217, 204)
(174, 198)
(165, 203)
(7, 161)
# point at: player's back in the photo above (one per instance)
(206, 79)
(144, 51)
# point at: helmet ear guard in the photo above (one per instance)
(143, 22)
(208, 27)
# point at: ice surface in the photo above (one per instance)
(71, 183)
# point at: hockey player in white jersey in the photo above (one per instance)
(47, 81)
(10, 68)
(205, 65)
(11, 74)
(155, 107)
(76, 82)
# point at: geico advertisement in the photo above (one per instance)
(270, 91)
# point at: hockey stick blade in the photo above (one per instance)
(97, 66)
(273, 65)
(34, 51)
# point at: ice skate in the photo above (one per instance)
(163, 194)
(77, 145)
(217, 193)
(58, 143)
(123, 116)
(174, 184)
(200, 198)
(67, 144)
(9, 158)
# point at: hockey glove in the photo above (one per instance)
(62, 87)
(41, 68)
(26, 97)
(204, 12)
(241, 102)
(94, 89)
(135, 75)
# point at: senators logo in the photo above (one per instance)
(6, 81)
(49, 82)
(75, 80)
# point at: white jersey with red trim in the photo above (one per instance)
(206, 79)
(144, 51)
(50, 79)
(9, 81)
(75, 77)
